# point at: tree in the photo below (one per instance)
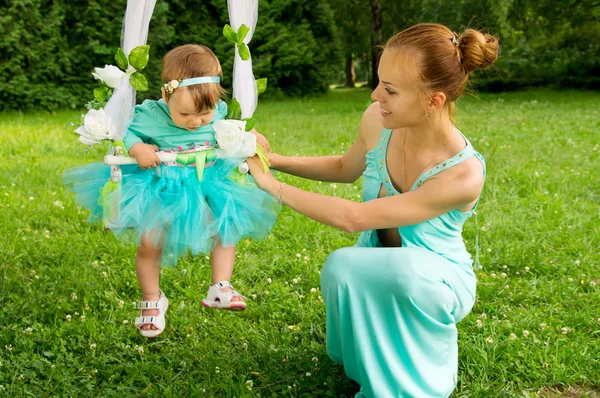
(353, 18)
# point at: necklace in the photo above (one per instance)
(426, 166)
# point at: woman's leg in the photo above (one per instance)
(391, 319)
(147, 265)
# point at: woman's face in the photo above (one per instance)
(183, 111)
(400, 101)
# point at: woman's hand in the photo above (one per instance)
(145, 155)
(261, 178)
(261, 140)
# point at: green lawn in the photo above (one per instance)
(66, 287)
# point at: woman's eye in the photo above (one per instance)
(390, 91)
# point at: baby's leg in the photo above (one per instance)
(147, 264)
(222, 262)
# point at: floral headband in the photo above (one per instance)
(174, 84)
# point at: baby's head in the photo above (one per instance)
(194, 105)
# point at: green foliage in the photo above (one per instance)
(138, 58)
(138, 81)
(261, 85)
(121, 59)
(49, 49)
(542, 42)
(250, 122)
(230, 34)
(234, 110)
(242, 33)
(538, 233)
(295, 46)
(244, 52)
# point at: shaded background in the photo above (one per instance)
(49, 48)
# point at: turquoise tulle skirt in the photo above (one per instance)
(172, 208)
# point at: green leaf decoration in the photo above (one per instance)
(244, 52)
(230, 34)
(249, 123)
(100, 94)
(138, 57)
(121, 59)
(138, 81)
(241, 34)
(261, 85)
(234, 110)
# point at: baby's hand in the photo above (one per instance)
(261, 140)
(145, 155)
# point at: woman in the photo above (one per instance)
(394, 299)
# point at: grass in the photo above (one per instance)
(67, 287)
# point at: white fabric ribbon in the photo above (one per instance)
(134, 33)
(244, 85)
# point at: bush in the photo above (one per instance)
(49, 48)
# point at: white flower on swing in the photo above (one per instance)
(110, 74)
(233, 139)
(97, 126)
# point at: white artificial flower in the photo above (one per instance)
(97, 126)
(233, 139)
(110, 74)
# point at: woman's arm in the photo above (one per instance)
(458, 187)
(346, 168)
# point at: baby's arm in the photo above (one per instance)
(145, 155)
(136, 139)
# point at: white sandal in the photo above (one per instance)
(158, 321)
(216, 298)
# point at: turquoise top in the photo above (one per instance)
(152, 124)
(442, 234)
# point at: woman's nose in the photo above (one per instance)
(375, 94)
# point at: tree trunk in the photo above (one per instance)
(350, 73)
(376, 41)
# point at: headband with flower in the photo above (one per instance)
(175, 84)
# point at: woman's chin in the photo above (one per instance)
(389, 124)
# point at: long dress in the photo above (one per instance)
(392, 312)
(170, 204)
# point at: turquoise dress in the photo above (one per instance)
(392, 312)
(169, 204)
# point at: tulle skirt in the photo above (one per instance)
(173, 209)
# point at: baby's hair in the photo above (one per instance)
(189, 61)
(444, 59)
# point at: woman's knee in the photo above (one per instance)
(336, 268)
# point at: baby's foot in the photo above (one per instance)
(149, 312)
(221, 295)
(152, 321)
(234, 297)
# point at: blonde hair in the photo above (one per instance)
(444, 58)
(189, 61)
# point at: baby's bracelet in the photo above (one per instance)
(280, 194)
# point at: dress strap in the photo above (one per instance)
(460, 157)
(381, 151)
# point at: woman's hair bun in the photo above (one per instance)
(478, 50)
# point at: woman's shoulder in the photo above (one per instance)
(371, 125)
(467, 177)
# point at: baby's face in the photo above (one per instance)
(184, 113)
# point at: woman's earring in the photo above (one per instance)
(428, 114)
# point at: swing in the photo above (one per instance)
(118, 110)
